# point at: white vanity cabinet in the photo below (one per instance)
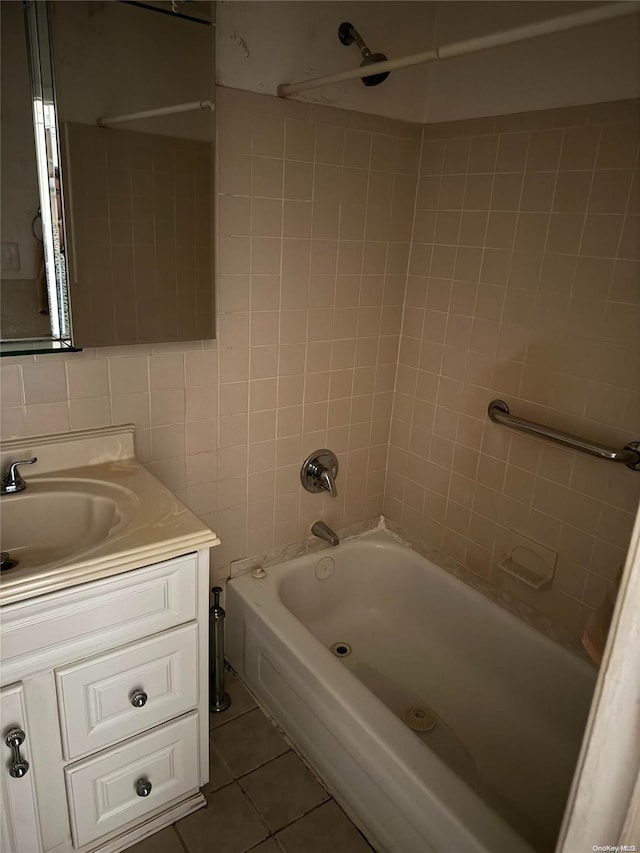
(109, 682)
(19, 824)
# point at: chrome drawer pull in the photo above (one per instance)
(143, 787)
(14, 741)
(139, 699)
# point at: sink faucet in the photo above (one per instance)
(12, 482)
(323, 531)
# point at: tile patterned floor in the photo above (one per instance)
(261, 797)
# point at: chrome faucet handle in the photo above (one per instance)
(329, 484)
(319, 472)
(12, 481)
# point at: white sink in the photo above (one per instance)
(57, 519)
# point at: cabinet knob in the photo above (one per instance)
(143, 787)
(14, 740)
(139, 699)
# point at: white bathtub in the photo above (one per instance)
(509, 704)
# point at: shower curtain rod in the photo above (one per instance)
(161, 111)
(528, 31)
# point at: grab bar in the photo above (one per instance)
(630, 455)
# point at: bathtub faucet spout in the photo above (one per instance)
(323, 531)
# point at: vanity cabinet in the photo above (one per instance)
(19, 825)
(109, 682)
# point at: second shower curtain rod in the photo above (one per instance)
(190, 106)
(529, 31)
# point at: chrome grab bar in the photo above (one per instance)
(629, 455)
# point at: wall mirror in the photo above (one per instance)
(34, 294)
(121, 174)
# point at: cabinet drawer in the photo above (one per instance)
(98, 615)
(116, 695)
(102, 790)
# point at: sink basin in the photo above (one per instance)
(56, 519)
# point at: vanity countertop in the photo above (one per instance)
(157, 527)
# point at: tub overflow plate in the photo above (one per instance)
(324, 568)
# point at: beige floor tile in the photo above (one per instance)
(219, 774)
(165, 841)
(268, 846)
(247, 742)
(283, 790)
(241, 701)
(229, 824)
(324, 830)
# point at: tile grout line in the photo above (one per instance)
(319, 806)
(181, 840)
(237, 779)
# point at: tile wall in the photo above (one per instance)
(169, 391)
(314, 222)
(20, 305)
(142, 227)
(524, 284)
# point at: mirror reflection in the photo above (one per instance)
(127, 210)
(33, 276)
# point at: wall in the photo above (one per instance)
(169, 391)
(583, 66)
(262, 44)
(114, 58)
(315, 213)
(524, 285)
(315, 216)
(142, 226)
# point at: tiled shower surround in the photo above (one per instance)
(524, 285)
(315, 216)
(373, 295)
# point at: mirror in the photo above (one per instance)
(33, 279)
(131, 222)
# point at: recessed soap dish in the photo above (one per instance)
(532, 564)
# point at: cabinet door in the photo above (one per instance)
(20, 830)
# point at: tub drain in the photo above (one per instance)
(341, 650)
(6, 561)
(420, 718)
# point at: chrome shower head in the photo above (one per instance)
(348, 34)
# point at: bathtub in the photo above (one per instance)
(438, 719)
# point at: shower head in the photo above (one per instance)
(348, 34)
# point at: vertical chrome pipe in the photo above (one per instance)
(218, 699)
